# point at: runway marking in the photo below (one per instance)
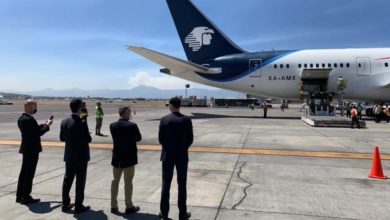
(227, 150)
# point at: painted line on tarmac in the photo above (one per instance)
(251, 151)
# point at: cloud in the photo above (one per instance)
(164, 82)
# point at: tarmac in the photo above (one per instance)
(242, 166)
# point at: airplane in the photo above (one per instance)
(214, 60)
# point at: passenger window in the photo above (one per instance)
(341, 65)
(311, 65)
(305, 65)
(317, 65)
(323, 65)
(329, 65)
(281, 66)
(347, 65)
(275, 66)
(360, 65)
(299, 65)
(386, 65)
(335, 65)
(288, 66)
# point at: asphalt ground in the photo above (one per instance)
(242, 166)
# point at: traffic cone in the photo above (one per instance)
(376, 167)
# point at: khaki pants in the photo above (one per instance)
(128, 176)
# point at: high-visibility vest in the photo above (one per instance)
(378, 110)
(99, 112)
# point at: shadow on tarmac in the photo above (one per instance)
(139, 216)
(91, 214)
(43, 207)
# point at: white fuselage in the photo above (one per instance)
(367, 72)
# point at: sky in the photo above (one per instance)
(82, 44)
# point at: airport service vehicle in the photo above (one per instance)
(4, 102)
(214, 60)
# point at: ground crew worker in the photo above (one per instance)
(282, 106)
(377, 113)
(348, 110)
(354, 117)
(84, 112)
(265, 109)
(359, 109)
(252, 106)
(99, 118)
(387, 113)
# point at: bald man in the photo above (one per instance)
(30, 149)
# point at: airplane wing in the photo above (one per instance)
(172, 63)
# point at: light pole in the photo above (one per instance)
(187, 87)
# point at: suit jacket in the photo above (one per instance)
(124, 134)
(31, 134)
(75, 133)
(176, 136)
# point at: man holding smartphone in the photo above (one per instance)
(30, 148)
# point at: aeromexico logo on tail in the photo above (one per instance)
(199, 37)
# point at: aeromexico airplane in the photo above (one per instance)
(214, 60)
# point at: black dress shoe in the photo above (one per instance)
(185, 216)
(164, 217)
(132, 210)
(81, 209)
(67, 208)
(114, 210)
(29, 200)
(18, 200)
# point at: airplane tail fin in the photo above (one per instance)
(201, 39)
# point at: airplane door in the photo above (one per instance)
(363, 65)
(255, 67)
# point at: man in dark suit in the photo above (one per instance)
(30, 148)
(75, 133)
(175, 136)
(125, 135)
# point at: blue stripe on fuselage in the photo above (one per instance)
(241, 75)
